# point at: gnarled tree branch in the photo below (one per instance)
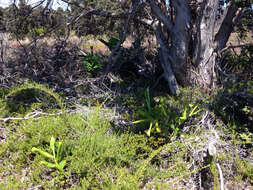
(226, 27)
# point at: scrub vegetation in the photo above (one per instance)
(86, 105)
(100, 152)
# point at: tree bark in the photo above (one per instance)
(193, 38)
(204, 56)
(166, 60)
(185, 33)
(226, 27)
(174, 57)
(180, 38)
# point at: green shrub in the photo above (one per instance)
(160, 119)
(56, 157)
(92, 63)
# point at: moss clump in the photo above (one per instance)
(28, 97)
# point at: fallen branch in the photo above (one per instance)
(236, 46)
(31, 115)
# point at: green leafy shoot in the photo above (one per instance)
(92, 62)
(150, 115)
(55, 157)
(189, 111)
(147, 97)
(160, 119)
(194, 110)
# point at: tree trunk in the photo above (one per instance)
(192, 37)
(208, 44)
(173, 57)
(180, 38)
(204, 56)
(166, 60)
(185, 32)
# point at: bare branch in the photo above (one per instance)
(70, 2)
(226, 27)
(31, 115)
(236, 46)
(166, 60)
(159, 14)
(115, 52)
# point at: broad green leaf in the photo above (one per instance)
(62, 164)
(48, 164)
(176, 131)
(138, 121)
(43, 153)
(59, 151)
(148, 132)
(184, 116)
(158, 130)
(193, 112)
(97, 66)
(197, 111)
(86, 63)
(52, 145)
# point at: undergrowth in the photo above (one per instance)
(98, 157)
(22, 99)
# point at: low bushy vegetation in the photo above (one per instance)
(96, 156)
(94, 97)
